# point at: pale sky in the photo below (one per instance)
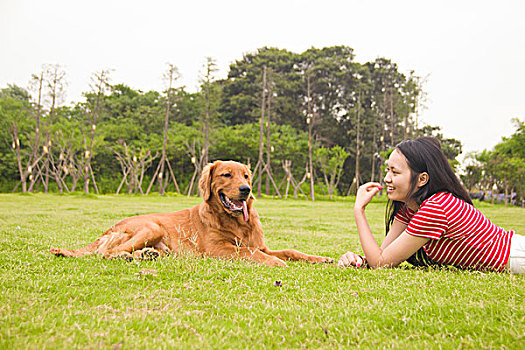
(473, 52)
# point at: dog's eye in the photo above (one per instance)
(226, 175)
(246, 176)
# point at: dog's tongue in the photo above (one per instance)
(245, 210)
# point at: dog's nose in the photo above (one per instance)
(245, 190)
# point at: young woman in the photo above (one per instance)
(430, 218)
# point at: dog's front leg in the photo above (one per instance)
(292, 254)
(247, 253)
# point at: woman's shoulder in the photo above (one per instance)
(440, 199)
(446, 203)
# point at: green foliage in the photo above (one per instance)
(14, 112)
(16, 125)
(472, 176)
(241, 143)
(504, 166)
(331, 159)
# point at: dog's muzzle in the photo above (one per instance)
(236, 206)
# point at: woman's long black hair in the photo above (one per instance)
(425, 155)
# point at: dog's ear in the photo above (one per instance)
(205, 181)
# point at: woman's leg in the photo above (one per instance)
(517, 254)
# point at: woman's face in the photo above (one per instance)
(398, 176)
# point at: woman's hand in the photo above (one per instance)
(350, 259)
(365, 194)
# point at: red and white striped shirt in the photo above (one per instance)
(460, 235)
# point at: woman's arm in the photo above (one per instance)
(353, 259)
(398, 245)
(394, 252)
(396, 229)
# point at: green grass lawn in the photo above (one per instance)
(192, 303)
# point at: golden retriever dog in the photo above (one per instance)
(225, 225)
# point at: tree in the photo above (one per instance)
(259, 167)
(242, 89)
(99, 83)
(310, 120)
(473, 173)
(55, 84)
(211, 95)
(133, 163)
(14, 111)
(171, 75)
(37, 82)
(331, 161)
(357, 87)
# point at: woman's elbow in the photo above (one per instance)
(383, 264)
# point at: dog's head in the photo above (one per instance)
(229, 184)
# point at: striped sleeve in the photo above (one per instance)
(429, 221)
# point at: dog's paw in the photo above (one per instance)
(275, 262)
(122, 255)
(326, 260)
(57, 252)
(146, 254)
(320, 260)
(125, 256)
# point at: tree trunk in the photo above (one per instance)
(358, 141)
(206, 126)
(309, 121)
(392, 120)
(268, 142)
(16, 147)
(159, 172)
(506, 185)
(37, 128)
(374, 151)
(261, 133)
(101, 80)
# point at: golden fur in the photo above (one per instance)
(218, 228)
